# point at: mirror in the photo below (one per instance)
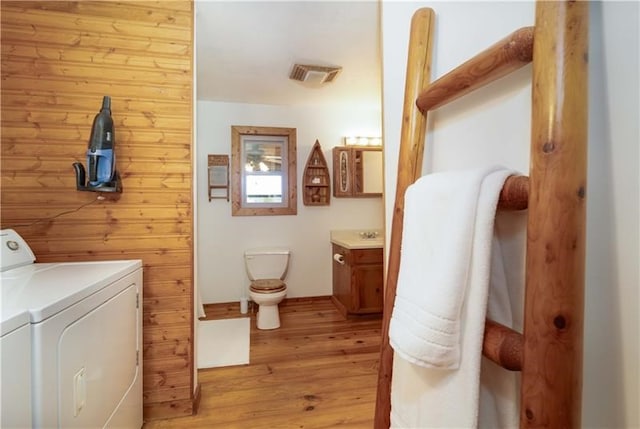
(368, 171)
(357, 171)
(264, 171)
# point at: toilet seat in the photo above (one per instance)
(267, 286)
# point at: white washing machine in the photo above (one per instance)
(85, 324)
(15, 365)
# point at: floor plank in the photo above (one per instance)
(316, 371)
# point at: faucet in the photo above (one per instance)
(369, 234)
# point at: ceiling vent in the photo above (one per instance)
(314, 74)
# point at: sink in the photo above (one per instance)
(369, 235)
(358, 238)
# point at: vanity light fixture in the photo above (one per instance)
(363, 141)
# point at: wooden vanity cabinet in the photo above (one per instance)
(358, 282)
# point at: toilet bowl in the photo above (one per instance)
(267, 269)
(268, 316)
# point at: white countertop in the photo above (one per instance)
(358, 238)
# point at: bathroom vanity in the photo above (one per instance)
(357, 272)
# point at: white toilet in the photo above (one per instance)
(267, 268)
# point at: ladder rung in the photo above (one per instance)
(509, 54)
(514, 194)
(503, 345)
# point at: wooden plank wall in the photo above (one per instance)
(58, 60)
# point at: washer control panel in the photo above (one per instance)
(15, 252)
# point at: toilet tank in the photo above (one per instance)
(267, 263)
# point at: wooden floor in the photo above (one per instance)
(317, 370)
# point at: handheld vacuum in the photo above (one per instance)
(101, 156)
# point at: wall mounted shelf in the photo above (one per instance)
(218, 175)
(316, 182)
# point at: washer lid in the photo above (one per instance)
(47, 289)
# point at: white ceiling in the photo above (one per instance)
(245, 51)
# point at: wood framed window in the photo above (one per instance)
(263, 165)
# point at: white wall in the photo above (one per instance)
(222, 238)
(478, 131)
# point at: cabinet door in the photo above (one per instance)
(368, 281)
(342, 186)
(342, 281)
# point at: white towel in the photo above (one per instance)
(441, 301)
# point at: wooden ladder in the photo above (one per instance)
(549, 351)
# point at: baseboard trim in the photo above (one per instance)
(235, 305)
(230, 310)
(306, 299)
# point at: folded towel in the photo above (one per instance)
(445, 214)
(441, 301)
